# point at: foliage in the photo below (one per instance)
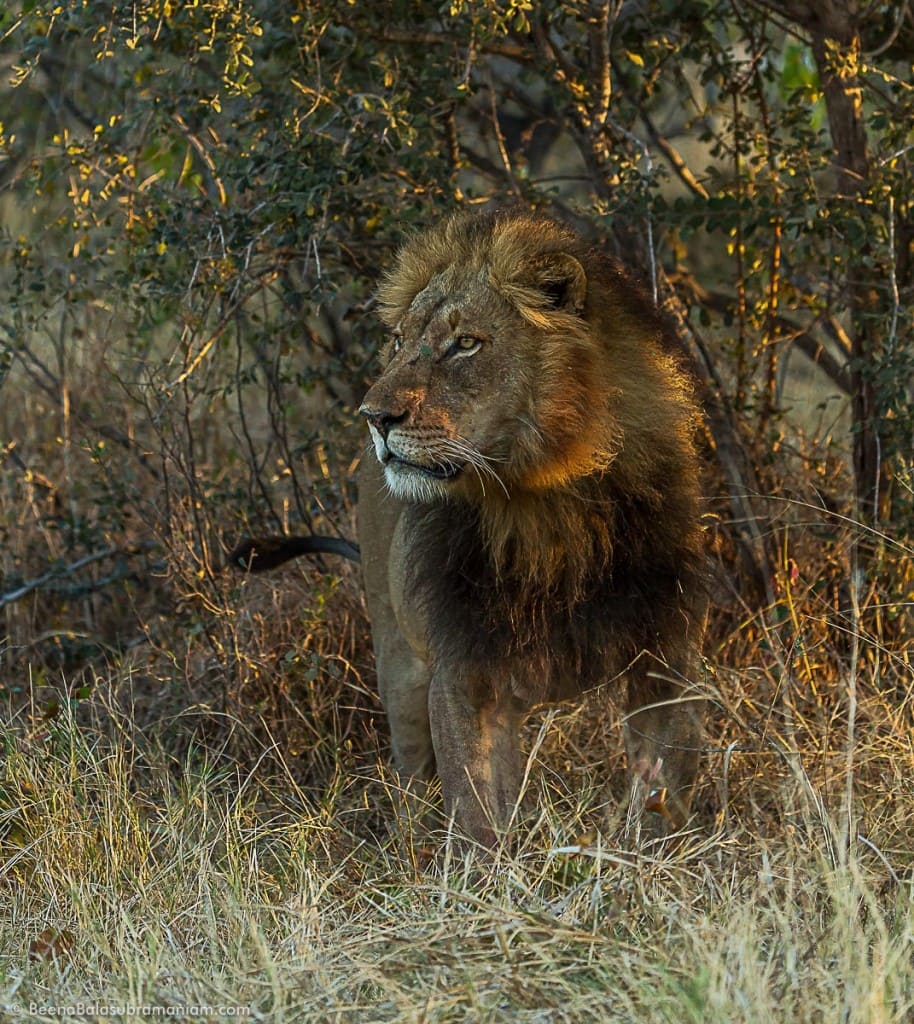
(210, 169)
(198, 198)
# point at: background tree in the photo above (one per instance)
(197, 199)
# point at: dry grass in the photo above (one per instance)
(199, 882)
(242, 874)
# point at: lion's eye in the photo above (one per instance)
(465, 345)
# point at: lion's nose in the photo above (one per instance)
(382, 419)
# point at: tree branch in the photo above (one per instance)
(67, 570)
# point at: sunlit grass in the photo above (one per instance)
(201, 883)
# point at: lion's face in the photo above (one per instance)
(488, 387)
(452, 408)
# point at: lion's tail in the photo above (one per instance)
(259, 554)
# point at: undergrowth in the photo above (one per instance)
(197, 809)
(180, 854)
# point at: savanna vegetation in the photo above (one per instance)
(195, 805)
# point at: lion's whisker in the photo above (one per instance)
(462, 448)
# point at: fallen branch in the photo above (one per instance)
(12, 596)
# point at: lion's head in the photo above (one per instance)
(520, 360)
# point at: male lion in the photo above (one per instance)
(529, 528)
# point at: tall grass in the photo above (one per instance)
(218, 881)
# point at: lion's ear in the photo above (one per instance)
(561, 278)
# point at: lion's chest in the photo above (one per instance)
(539, 643)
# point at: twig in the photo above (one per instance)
(673, 158)
(727, 442)
(202, 152)
(645, 180)
(740, 397)
(599, 31)
(870, 845)
(725, 784)
(500, 142)
(856, 577)
(64, 570)
(564, 70)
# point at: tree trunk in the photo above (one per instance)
(834, 28)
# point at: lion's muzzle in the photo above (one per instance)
(404, 448)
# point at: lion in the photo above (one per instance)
(528, 521)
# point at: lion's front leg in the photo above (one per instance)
(403, 681)
(663, 739)
(478, 757)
